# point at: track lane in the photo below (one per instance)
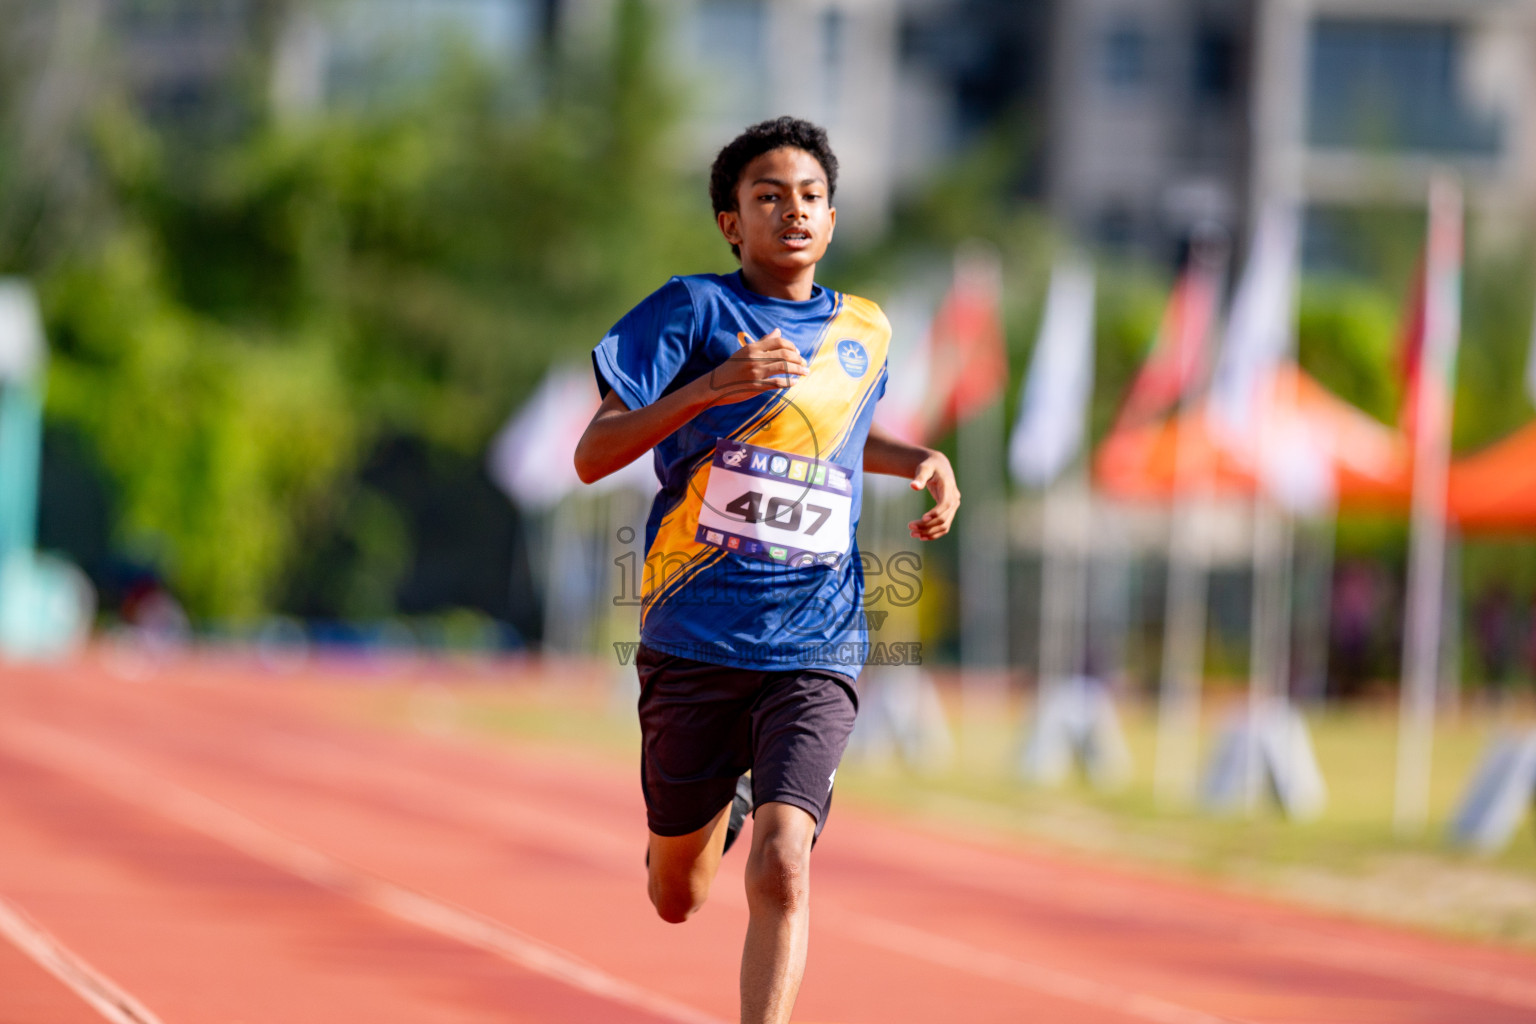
(1126, 904)
(204, 932)
(41, 982)
(339, 805)
(551, 844)
(604, 919)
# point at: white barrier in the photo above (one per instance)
(1501, 789)
(1265, 749)
(901, 716)
(1075, 723)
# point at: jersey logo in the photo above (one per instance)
(853, 357)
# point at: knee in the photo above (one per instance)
(675, 902)
(778, 876)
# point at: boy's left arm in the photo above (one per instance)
(885, 453)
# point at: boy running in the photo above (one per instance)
(756, 390)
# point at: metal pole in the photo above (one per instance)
(1274, 542)
(1269, 663)
(1426, 565)
(1063, 540)
(1315, 628)
(1450, 646)
(983, 567)
(1177, 755)
(1176, 762)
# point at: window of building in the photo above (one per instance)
(177, 98)
(146, 17)
(380, 49)
(1115, 226)
(833, 56)
(1215, 63)
(1394, 85)
(731, 36)
(1124, 55)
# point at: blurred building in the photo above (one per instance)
(835, 63)
(1135, 121)
(1149, 118)
(1169, 112)
(1359, 101)
(900, 85)
(1140, 120)
(179, 56)
(173, 53)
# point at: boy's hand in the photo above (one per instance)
(771, 363)
(935, 473)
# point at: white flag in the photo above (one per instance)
(1054, 407)
(1261, 330)
(902, 409)
(531, 459)
(1295, 463)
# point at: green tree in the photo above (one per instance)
(263, 300)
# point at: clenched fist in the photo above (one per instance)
(771, 363)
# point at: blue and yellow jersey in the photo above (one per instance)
(724, 598)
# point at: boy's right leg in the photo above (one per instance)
(695, 743)
(683, 867)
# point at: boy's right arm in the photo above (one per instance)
(619, 435)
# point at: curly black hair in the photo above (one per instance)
(765, 137)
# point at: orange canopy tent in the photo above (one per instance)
(1494, 491)
(1368, 463)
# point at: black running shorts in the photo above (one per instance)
(703, 725)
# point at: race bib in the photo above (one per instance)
(766, 504)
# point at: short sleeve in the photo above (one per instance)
(885, 376)
(642, 354)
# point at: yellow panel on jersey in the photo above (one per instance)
(823, 405)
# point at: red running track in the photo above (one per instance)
(217, 850)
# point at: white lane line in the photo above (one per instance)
(994, 876)
(985, 870)
(985, 963)
(319, 761)
(104, 996)
(1296, 943)
(127, 781)
(1358, 956)
(1128, 902)
(307, 760)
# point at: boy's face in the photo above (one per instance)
(784, 217)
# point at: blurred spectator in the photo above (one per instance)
(1352, 618)
(1498, 638)
(154, 614)
(1530, 641)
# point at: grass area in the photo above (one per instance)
(1348, 859)
(1356, 749)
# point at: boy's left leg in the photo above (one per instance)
(800, 726)
(779, 900)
